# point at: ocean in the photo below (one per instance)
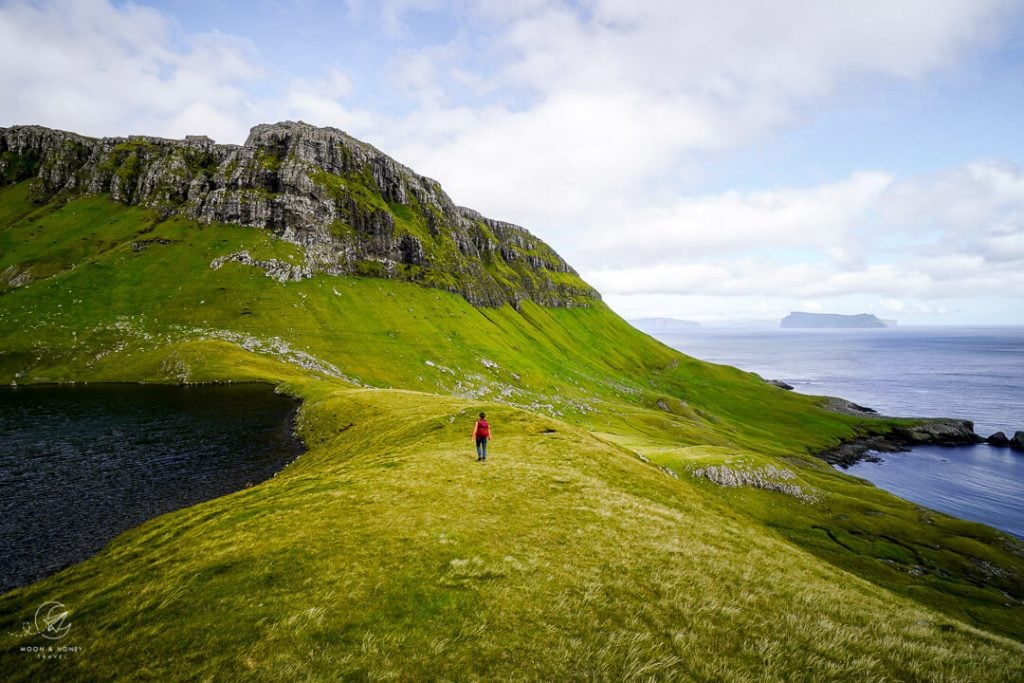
(974, 373)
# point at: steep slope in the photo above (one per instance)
(352, 209)
(382, 552)
(386, 553)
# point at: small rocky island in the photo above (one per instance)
(802, 320)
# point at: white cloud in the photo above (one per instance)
(323, 101)
(910, 308)
(822, 217)
(617, 94)
(102, 69)
(753, 277)
(979, 206)
(584, 121)
(957, 233)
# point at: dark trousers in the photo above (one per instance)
(481, 448)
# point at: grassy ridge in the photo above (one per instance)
(384, 551)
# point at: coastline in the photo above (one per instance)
(915, 431)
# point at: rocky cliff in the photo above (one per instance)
(941, 431)
(354, 210)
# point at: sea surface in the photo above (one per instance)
(973, 373)
(82, 464)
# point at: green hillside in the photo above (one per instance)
(385, 551)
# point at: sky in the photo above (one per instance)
(708, 160)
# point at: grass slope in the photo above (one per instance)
(386, 552)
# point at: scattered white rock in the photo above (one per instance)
(769, 478)
(275, 269)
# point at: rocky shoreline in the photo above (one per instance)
(941, 431)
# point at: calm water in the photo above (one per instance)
(979, 483)
(975, 373)
(81, 464)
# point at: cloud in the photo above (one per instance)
(98, 68)
(324, 100)
(614, 97)
(588, 122)
(949, 234)
(957, 276)
(104, 69)
(819, 217)
(585, 101)
(910, 308)
(979, 207)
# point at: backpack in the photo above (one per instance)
(483, 429)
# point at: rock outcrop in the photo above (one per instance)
(841, 405)
(941, 431)
(998, 439)
(769, 478)
(1017, 442)
(353, 209)
(274, 269)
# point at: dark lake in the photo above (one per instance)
(81, 464)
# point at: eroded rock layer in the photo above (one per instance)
(353, 209)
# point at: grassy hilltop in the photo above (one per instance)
(386, 552)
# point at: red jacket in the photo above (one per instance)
(482, 429)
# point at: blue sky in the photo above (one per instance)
(697, 159)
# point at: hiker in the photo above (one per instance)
(482, 434)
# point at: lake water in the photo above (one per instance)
(974, 373)
(82, 464)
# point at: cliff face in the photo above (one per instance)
(355, 210)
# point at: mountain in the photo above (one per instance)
(353, 210)
(643, 514)
(799, 319)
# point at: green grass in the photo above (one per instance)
(385, 551)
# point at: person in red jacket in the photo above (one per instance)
(482, 434)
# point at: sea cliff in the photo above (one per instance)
(353, 209)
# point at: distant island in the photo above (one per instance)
(802, 320)
(663, 324)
